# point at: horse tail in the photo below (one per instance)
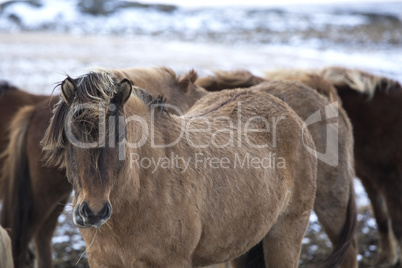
(15, 187)
(228, 80)
(346, 239)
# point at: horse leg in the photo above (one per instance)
(239, 262)
(43, 238)
(336, 211)
(386, 255)
(252, 258)
(282, 244)
(393, 197)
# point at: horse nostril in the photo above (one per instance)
(105, 211)
(89, 218)
(85, 211)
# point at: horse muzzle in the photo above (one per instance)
(85, 217)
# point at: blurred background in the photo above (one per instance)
(43, 40)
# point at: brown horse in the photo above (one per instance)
(373, 105)
(186, 215)
(34, 195)
(12, 99)
(335, 204)
(6, 257)
(181, 92)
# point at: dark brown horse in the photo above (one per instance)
(14, 219)
(182, 216)
(11, 100)
(373, 104)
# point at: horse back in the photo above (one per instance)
(11, 100)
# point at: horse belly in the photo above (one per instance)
(228, 245)
(238, 227)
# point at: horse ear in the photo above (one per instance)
(68, 88)
(187, 80)
(124, 91)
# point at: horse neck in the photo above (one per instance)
(383, 102)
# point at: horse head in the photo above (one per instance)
(85, 133)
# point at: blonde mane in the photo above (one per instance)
(356, 79)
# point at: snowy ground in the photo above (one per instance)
(38, 46)
(363, 35)
(35, 61)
